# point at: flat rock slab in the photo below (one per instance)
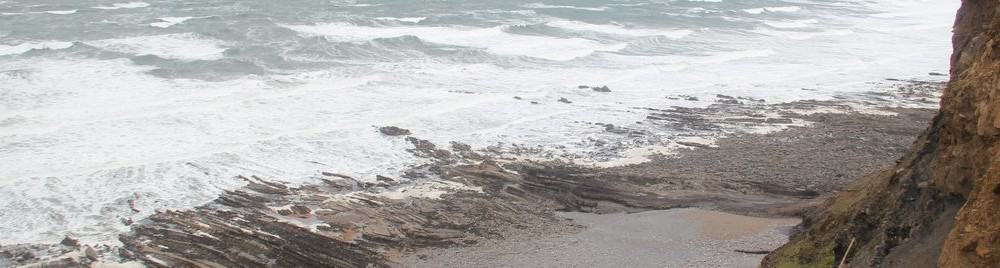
(664, 238)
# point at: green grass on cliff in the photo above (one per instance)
(790, 255)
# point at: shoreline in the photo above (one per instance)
(482, 199)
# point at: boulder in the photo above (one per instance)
(394, 131)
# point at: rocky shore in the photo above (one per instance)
(471, 201)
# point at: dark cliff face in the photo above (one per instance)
(940, 206)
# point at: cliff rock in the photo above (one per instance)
(940, 205)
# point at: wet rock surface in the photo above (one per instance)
(604, 89)
(823, 157)
(394, 131)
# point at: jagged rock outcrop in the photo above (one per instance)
(940, 206)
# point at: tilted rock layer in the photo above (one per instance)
(940, 206)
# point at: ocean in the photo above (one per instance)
(112, 110)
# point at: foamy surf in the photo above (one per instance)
(169, 21)
(61, 12)
(183, 46)
(677, 63)
(128, 5)
(546, 6)
(797, 35)
(25, 47)
(761, 10)
(495, 40)
(405, 19)
(792, 23)
(617, 30)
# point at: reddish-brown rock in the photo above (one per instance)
(939, 206)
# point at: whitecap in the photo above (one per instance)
(617, 30)
(728, 56)
(784, 9)
(61, 12)
(405, 19)
(792, 23)
(545, 6)
(760, 10)
(683, 61)
(631, 5)
(128, 5)
(699, 10)
(25, 47)
(495, 40)
(183, 46)
(794, 35)
(890, 15)
(169, 21)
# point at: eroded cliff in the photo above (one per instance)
(939, 205)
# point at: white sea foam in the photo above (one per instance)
(61, 12)
(53, 12)
(128, 5)
(405, 19)
(545, 6)
(25, 47)
(630, 5)
(495, 40)
(784, 9)
(617, 30)
(85, 119)
(700, 10)
(183, 46)
(170, 21)
(795, 35)
(727, 56)
(889, 15)
(792, 23)
(429, 190)
(684, 61)
(772, 9)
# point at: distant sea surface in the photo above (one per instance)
(107, 105)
